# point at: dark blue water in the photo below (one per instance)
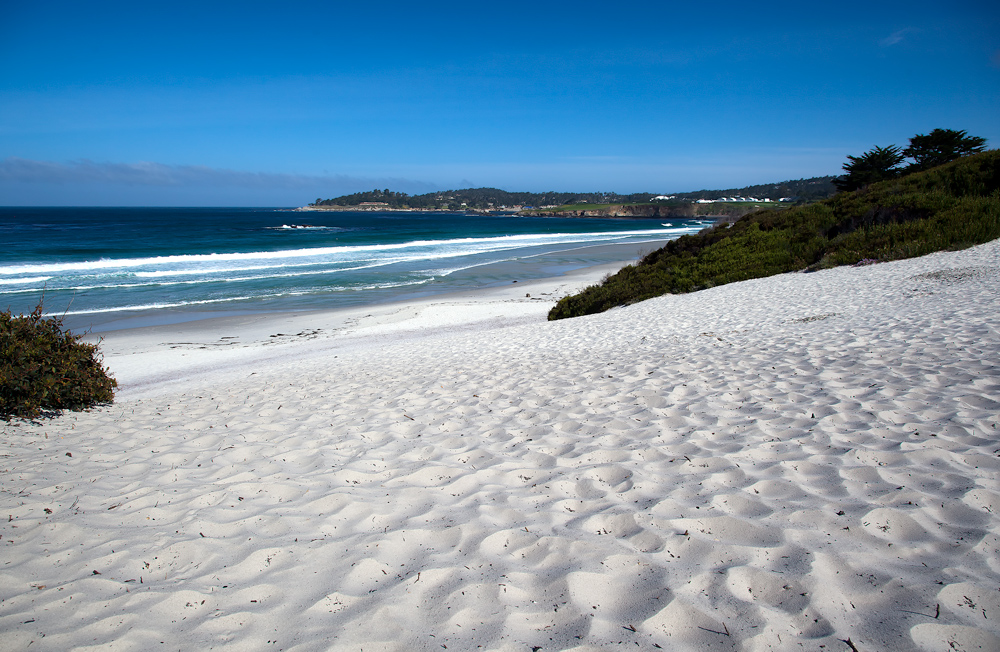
(102, 267)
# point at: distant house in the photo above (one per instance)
(732, 200)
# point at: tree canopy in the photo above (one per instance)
(877, 164)
(941, 146)
(927, 151)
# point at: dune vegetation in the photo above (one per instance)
(949, 207)
(44, 368)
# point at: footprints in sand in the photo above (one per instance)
(610, 476)
(930, 637)
(810, 478)
(235, 341)
(893, 525)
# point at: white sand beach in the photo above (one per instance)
(787, 463)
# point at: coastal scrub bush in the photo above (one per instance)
(43, 367)
(953, 206)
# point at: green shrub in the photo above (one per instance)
(43, 367)
(950, 207)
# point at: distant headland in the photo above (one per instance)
(732, 202)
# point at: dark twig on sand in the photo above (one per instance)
(850, 644)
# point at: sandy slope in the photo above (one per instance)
(784, 463)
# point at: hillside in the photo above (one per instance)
(812, 189)
(485, 199)
(474, 199)
(950, 207)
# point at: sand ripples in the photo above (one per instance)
(693, 472)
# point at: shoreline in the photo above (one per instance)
(782, 463)
(145, 357)
(523, 268)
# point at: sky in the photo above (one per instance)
(277, 104)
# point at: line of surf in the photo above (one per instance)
(256, 297)
(479, 245)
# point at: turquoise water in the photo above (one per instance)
(108, 268)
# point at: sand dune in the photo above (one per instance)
(785, 463)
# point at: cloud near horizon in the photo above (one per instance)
(20, 170)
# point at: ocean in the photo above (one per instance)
(111, 268)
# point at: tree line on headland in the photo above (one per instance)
(494, 199)
(948, 198)
(472, 198)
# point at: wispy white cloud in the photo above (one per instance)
(897, 37)
(20, 170)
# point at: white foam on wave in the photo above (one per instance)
(201, 281)
(469, 245)
(461, 268)
(166, 273)
(304, 227)
(162, 305)
(264, 295)
(24, 280)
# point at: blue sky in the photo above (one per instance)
(276, 104)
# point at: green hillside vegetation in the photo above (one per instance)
(478, 199)
(493, 198)
(812, 189)
(950, 207)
